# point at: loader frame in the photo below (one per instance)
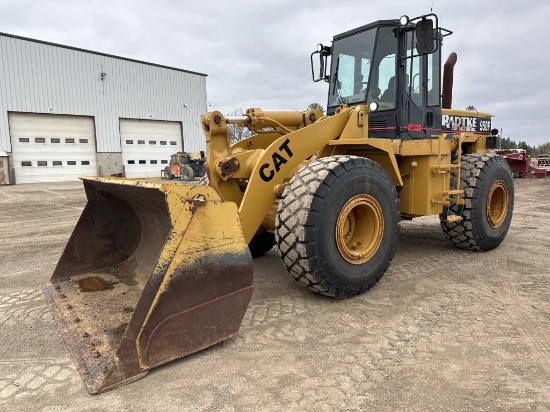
(254, 172)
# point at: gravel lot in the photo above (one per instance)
(445, 329)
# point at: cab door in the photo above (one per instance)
(421, 107)
(174, 165)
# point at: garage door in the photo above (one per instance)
(52, 148)
(147, 145)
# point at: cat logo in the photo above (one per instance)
(268, 170)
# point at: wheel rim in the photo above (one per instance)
(359, 229)
(497, 204)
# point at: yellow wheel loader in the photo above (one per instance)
(155, 270)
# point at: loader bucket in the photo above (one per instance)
(152, 272)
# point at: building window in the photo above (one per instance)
(26, 163)
(71, 162)
(173, 143)
(153, 162)
(129, 142)
(69, 140)
(142, 162)
(24, 139)
(83, 140)
(56, 140)
(85, 162)
(57, 163)
(163, 142)
(141, 141)
(40, 140)
(131, 162)
(164, 162)
(42, 163)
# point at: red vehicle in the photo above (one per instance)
(185, 165)
(517, 159)
(521, 164)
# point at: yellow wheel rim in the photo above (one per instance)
(359, 229)
(497, 204)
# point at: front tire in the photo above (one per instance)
(338, 225)
(488, 203)
(187, 173)
(168, 173)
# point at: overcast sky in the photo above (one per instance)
(257, 53)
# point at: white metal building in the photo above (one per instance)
(67, 112)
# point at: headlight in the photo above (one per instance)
(373, 106)
(320, 47)
(404, 20)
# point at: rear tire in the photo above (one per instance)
(168, 173)
(201, 171)
(338, 225)
(186, 173)
(488, 203)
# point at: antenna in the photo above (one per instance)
(432, 8)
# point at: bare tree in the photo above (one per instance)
(237, 133)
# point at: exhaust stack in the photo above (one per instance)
(448, 68)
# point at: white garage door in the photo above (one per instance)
(147, 145)
(52, 148)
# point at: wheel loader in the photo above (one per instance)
(157, 270)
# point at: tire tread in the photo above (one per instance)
(465, 234)
(295, 236)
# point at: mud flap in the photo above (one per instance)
(152, 272)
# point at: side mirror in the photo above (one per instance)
(323, 52)
(425, 36)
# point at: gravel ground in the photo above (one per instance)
(445, 329)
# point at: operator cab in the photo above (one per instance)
(392, 66)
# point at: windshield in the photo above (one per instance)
(356, 62)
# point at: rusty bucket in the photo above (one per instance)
(152, 272)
